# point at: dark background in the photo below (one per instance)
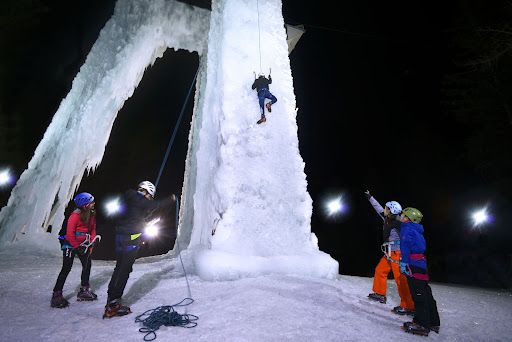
(407, 99)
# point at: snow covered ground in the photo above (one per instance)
(265, 308)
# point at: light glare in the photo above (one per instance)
(152, 228)
(113, 206)
(480, 217)
(334, 206)
(5, 177)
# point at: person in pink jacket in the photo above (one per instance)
(78, 240)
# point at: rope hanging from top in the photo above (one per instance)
(179, 249)
(171, 141)
(259, 32)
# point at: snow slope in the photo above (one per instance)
(264, 308)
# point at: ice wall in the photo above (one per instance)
(138, 33)
(245, 207)
(245, 191)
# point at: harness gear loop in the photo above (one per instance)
(386, 249)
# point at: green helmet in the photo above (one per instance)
(413, 214)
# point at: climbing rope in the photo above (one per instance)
(179, 249)
(153, 319)
(165, 315)
(171, 141)
(259, 32)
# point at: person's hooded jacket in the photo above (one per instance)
(76, 230)
(413, 245)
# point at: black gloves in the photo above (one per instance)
(367, 194)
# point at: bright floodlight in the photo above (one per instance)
(5, 177)
(152, 229)
(480, 217)
(334, 206)
(113, 206)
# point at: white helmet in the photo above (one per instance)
(394, 207)
(149, 187)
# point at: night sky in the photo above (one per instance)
(370, 82)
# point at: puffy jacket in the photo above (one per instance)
(137, 208)
(76, 229)
(413, 245)
(261, 82)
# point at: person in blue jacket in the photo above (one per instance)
(413, 264)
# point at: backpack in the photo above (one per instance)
(64, 244)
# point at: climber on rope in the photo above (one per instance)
(261, 84)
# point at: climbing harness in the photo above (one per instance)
(171, 141)
(386, 249)
(165, 315)
(153, 319)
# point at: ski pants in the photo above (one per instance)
(380, 280)
(426, 313)
(263, 94)
(126, 253)
(67, 263)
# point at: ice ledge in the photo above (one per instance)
(218, 265)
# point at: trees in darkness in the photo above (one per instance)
(478, 91)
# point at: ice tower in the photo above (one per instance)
(245, 206)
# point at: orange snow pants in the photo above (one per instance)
(381, 277)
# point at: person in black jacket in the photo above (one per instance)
(261, 84)
(139, 205)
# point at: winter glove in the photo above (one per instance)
(404, 269)
(367, 193)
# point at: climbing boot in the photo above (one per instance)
(435, 329)
(115, 308)
(86, 294)
(415, 328)
(377, 297)
(402, 311)
(262, 120)
(58, 300)
(269, 106)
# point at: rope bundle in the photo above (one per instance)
(165, 315)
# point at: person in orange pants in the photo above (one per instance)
(391, 259)
(380, 282)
